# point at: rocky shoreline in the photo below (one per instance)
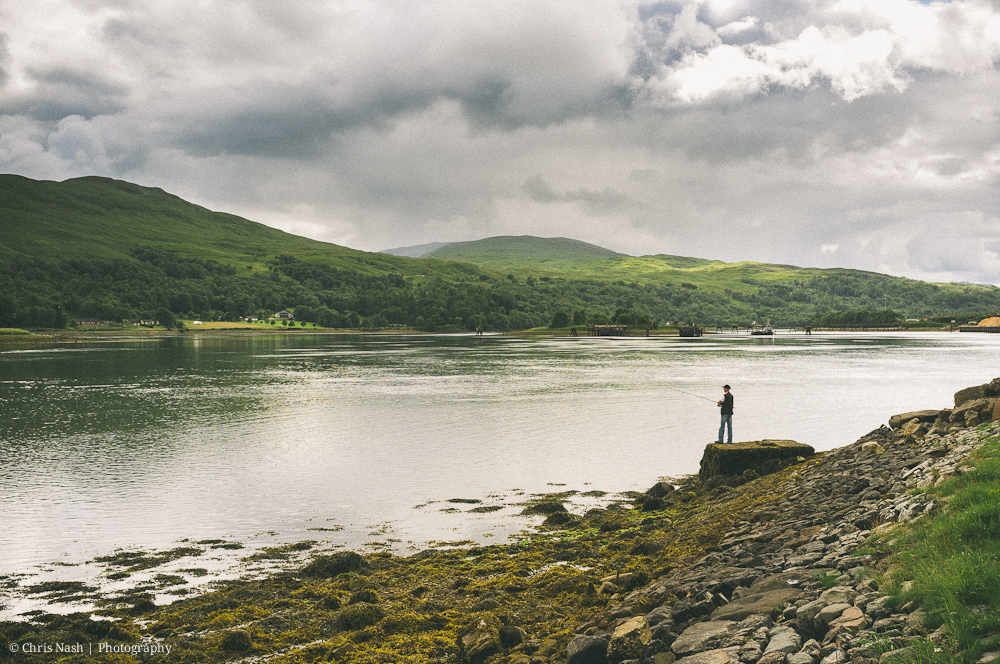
(781, 562)
(787, 583)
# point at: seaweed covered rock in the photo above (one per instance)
(761, 456)
(335, 564)
(359, 616)
(628, 639)
(480, 641)
(547, 507)
(237, 640)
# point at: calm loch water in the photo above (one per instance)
(145, 442)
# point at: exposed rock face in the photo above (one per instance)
(759, 596)
(761, 456)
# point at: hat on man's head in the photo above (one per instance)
(725, 387)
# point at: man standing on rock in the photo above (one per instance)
(726, 403)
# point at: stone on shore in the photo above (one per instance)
(991, 389)
(700, 636)
(628, 639)
(587, 650)
(761, 456)
(710, 657)
(757, 603)
(897, 421)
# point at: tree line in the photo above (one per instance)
(159, 284)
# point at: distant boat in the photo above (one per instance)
(765, 331)
(690, 331)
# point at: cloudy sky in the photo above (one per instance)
(852, 133)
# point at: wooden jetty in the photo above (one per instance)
(607, 330)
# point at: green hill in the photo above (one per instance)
(95, 218)
(99, 248)
(525, 253)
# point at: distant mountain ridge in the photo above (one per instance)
(415, 251)
(525, 246)
(522, 247)
(102, 248)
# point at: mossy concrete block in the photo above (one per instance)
(761, 456)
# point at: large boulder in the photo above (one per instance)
(756, 603)
(701, 636)
(981, 408)
(763, 596)
(587, 650)
(760, 456)
(991, 389)
(897, 421)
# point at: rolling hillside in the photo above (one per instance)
(99, 248)
(525, 253)
(96, 218)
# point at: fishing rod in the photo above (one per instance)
(696, 396)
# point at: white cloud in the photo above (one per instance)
(736, 27)
(843, 132)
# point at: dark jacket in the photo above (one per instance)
(727, 404)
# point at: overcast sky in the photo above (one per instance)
(853, 133)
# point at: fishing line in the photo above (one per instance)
(696, 396)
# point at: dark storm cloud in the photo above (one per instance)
(4, 59)
(831, 134)
(59, 92)
(592, 202)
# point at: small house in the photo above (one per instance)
(284, 314)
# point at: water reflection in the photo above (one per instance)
(152, 440)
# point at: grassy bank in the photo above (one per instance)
(949, 563)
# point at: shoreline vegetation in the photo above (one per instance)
(17, 335)
(885, 550)
(94, 249)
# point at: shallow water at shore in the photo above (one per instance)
(353, 440)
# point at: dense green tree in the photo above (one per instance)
(560, 319)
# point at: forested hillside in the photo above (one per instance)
(97, 248)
